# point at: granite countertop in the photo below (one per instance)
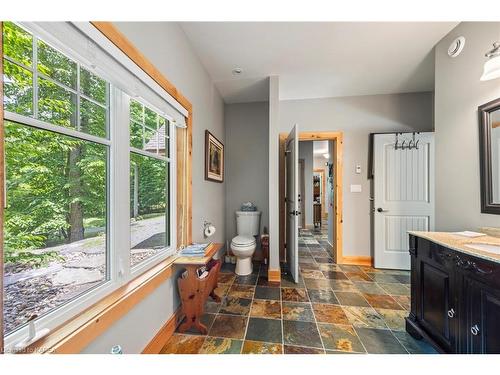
(457, 242)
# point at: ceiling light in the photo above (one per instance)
(491, 68)
(456, 47)
(237, 71)
(326, 156)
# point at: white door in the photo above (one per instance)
(292, 203)
(403, 195)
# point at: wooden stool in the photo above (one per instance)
(195, 291)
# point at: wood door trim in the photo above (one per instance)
(338, 160)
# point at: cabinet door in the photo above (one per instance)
(483, 328)
(437, 311)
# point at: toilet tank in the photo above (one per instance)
(247, 223)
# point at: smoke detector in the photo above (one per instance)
(456, 46)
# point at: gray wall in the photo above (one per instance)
(356, 117)
(247, 155)
(306, 153)
(167, 47)
(274, 144)
(458, 93)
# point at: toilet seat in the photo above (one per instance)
(243, 241)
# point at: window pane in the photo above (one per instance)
(55, 65)
(17, 43)
(149, 211)
(18, 87)
(92, 118)
(55, 222)
(56, 104)
(150, 140)
(136, 111)
(93, 86)
(163, 133)
(136, 131)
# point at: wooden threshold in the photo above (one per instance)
(357, 260)
(77, 333)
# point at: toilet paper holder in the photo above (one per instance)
(208, 229)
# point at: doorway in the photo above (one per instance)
(330, 184)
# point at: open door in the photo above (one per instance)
(292, 202)
(403, 194)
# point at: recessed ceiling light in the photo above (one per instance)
(456, 46)
(237, 71)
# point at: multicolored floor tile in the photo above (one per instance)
(380, 341)
(301, 334)
(395, 319)
(235, 306)
(294, 295)
(325, 295)
(216, 345)
(269, 293)
(325, 313)
(183, 344)
(257, 347)
(382, 301)
(364, 317)
(340, 337)
(241, 291)
(297, 311)
(351, 299)
(290, 349)
(266, 330)
(333, 309)
(266, 309)
(230, 326)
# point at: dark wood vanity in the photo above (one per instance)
(455, 295)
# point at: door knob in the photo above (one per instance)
(474, 329)
(451, 313)
(380, 209)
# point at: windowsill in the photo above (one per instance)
(77, 333)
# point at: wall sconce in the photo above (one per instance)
(492, 65)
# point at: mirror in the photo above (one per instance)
(489, 144)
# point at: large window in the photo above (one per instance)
(62, 135)
(149, 163)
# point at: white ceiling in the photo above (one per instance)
(314, 60)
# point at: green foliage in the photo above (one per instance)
(57, 184)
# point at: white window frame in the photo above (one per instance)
(118, 195)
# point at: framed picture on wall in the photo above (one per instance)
(214, 158)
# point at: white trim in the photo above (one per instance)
(20, 119)
(90, 31)
(149, 154)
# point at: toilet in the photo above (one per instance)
(244, 244)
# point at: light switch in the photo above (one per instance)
(355, 188)
(358, 169)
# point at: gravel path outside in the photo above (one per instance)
(36, 291)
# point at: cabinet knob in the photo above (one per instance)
(451, 313)
(474, 330)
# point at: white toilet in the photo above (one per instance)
(243, 245)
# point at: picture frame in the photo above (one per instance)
(214, 158)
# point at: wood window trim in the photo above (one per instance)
(338, 160)
(75, 334)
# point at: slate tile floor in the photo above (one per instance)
(334, 309)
